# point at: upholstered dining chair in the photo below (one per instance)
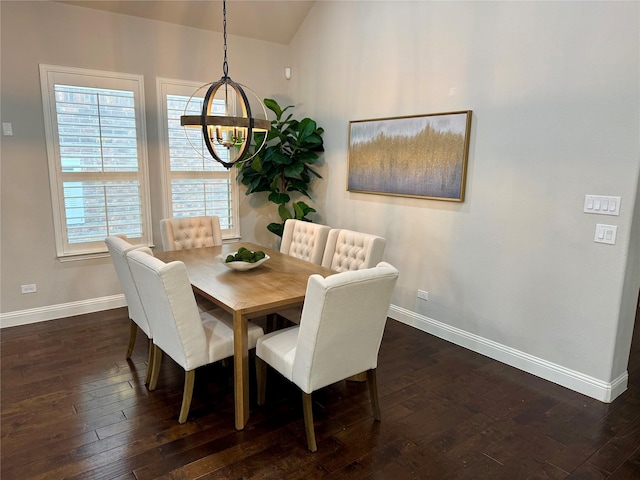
(118, 247)
(343, 321)
(181, 233)
(304, 240)
(349, 250)
(190, 337)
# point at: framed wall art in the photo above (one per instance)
(422, 156)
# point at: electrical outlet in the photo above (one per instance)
(422, 295)
(31, 288)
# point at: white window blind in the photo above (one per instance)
(97, 157)
(196, 184)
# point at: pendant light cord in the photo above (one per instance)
(225, 65)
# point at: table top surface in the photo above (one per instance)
(278, 283)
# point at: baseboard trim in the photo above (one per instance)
(574, 380)
(51, 312)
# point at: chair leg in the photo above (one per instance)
(358, 377)
(271, 322)
(155, 369)
(373, 393)
(189, 380)
(147, 378)
(133, 331)
(308, 421)
(261, 376)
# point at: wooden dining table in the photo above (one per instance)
(277, 284)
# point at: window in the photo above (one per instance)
(96, 145)
(195, 183)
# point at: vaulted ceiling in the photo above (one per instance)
(274, 21)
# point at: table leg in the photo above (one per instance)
(241, 370)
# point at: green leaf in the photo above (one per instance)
(275, 183)
(273, 133)
(294, 170)
(279, 198)
(305, 208)
(299, 186)
(284, 212)
(280, 159)
(313, 139)
(259, 186)
(258, 137)
(298, 211)
(289, 117)
(307, 157)
(307, 127)
(273, 106)
(256, 164)
(276, 228)
(312, 171)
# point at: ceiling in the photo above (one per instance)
(274, 21)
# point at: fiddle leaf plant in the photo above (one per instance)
(284, 166)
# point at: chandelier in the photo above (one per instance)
(230, 125)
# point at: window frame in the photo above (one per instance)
(170, 86)
(50, 75)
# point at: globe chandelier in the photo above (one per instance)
(232, 125)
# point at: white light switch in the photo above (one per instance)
(606, 234)
(602, 205)
(7, 129)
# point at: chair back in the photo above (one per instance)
(304, 240)
(343, 320)
(348, 250)
(170, 304)
(118, 249)
(190, 232)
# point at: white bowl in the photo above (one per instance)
(241, 266)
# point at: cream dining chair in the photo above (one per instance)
(304, 240)
(181, 233)
(346, 250)
(343, 321)
(190, 337)
(118, 247)
(349, 250)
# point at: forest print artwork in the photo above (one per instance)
(419, 156)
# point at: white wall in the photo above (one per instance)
(58, 34)
(554, 91)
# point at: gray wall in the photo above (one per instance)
(554, 91)
(58, 34)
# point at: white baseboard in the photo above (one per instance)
(579, 382)
(51, 312)
(576, 381)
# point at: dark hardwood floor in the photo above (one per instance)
(74, 408)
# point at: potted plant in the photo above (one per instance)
(284, 166)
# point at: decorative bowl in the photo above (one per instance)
(241, 266)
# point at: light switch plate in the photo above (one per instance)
(602, 204)
(606, 234)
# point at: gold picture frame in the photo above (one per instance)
(421, 156)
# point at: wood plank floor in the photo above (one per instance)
(74, 408)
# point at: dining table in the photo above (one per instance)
(277, 284)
